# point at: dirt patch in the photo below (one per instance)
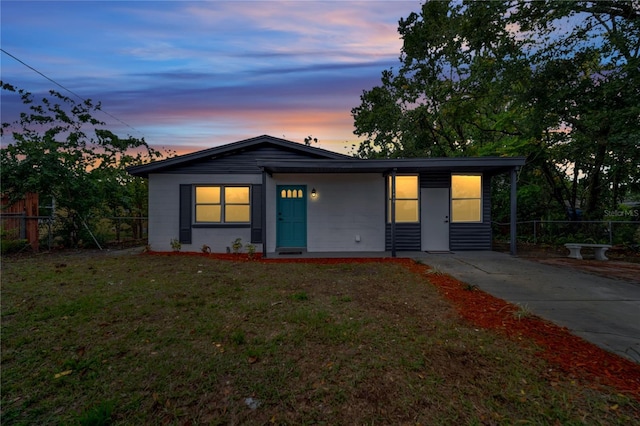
(625, 271)
(623, 263)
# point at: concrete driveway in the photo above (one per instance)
(601, 310)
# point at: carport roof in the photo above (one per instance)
(460, 164)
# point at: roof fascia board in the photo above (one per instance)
(355, 165)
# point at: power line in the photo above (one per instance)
(67, 89)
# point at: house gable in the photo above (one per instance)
(236, 158)
(238, 162)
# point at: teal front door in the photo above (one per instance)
(291, 216)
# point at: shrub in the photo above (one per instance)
(13, 246)
(236, 246)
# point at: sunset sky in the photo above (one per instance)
(191, 75)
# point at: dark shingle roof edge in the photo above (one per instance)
(157, 166)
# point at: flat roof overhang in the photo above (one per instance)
(410, 165)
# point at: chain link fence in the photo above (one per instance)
(557, 232)
(21, 232)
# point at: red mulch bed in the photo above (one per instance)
(559, 347)
(570, 353)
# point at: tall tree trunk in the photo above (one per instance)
(574, 191)
(594, 186)
(558, 190)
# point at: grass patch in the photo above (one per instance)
(187, 340)
(300, 296)
(522, 312)
(100, 415)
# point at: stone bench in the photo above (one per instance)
(600, 250)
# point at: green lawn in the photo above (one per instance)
(90, 338)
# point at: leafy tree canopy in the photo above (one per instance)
(58, 149)
(556, 81)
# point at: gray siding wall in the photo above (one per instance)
(435, 180)
(474, 236)
(238, 162)
(347, 214)
(408, 237)
(347, 206)
(462, 236)
(164, 222)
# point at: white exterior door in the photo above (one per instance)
(434, 217)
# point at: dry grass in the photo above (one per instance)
(189, 340)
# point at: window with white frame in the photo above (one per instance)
(406, 199)
(466, 198)
(222, 204)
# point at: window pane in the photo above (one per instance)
(406, 211)
(407, 187)
(283, 194)
(236, 194)
(465, 210)
(406, 199)
(463, 186)
(208, 194)
(208, 213)
(236, 213)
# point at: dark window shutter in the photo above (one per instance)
(256, 214)
(185, 214)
